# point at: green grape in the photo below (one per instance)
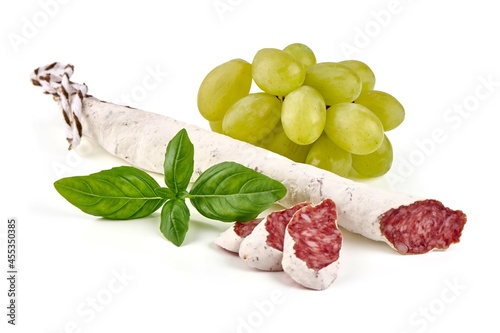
(302, 53)
(303, 115)
(364, 72)
(354, 128)
(216, 126)
(278, 142)
(222, 87)
(328, 156)
(277, 72)
(335, 82)
(252, 118)
(374, 164)
(387, 108)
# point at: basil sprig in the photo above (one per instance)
(227, 191)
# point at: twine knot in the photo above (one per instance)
(55, 80)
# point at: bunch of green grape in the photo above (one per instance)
(326, 114)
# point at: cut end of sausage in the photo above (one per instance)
(243, 229)
(231, 239)
(422, 226)
(263, 248)
(276, 224)
(312, 246)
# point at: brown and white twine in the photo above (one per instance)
(55, 80)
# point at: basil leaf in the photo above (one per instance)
(179, 162)
(165, 193)
(175, 221)
(231, 192)
(119, 193)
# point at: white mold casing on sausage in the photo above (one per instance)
(140, 138)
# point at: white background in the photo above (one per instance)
(435, 57)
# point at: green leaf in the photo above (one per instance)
(179, 162)
(175, 221)
(231, 192)
(119, 193)
(165, 193)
